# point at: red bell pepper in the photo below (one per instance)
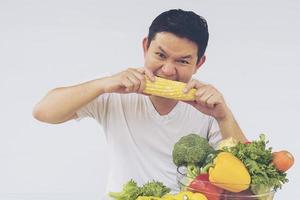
(201, 184)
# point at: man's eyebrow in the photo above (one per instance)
(182, 57)
(186, 57)
(160, 48)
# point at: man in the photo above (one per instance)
(140, 129)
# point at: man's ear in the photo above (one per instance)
(200, 63)
(145, 45)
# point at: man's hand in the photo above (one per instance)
(208, 100)
(211, 102)
(128, 81)
(61, 104)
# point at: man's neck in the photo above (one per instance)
(163, 105)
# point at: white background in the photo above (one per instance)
(253, 58)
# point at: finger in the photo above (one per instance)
(201, 102)
(204, 98)
(191, 84)
(142, 86)
(194, 84)
(142, 79)
(199, 106)
(138, 72)
(214, 100)
(149, 74)
(127, 84)
(211, 101)
(202, 90)
(141, 70)
(203, 95)
(135, 81)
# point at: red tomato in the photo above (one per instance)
(201, 184)
(283, 160)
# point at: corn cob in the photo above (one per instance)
(169, 89)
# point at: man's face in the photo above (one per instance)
(172, 57)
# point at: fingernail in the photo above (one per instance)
(184, 90)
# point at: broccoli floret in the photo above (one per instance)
(191, 150)
(130, 191)
(155, 189)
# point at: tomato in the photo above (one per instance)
(201, 184)
(282, 160)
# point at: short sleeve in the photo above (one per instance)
(96, 109)
(214, 135)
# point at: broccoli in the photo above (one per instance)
(191, 151)
(154, 188)
(130, 191)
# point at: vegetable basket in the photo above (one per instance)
(213, 192)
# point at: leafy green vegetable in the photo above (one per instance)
(130, 191)
(154, 188)
(258, 160)
(191, 149)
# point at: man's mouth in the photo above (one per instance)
(166, 77)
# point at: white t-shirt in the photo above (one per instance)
(141, 141)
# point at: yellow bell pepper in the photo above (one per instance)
(198, 196)
(187, 195)
(184, 195)
(168, 197)
(229, 173)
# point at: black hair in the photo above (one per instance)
(185, 24)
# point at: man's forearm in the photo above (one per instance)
(61, 104)
(230, 128)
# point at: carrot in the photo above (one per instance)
(282, 160)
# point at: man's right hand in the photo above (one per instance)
(61, 104)
(131, 80)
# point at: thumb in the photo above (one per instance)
(199, 107)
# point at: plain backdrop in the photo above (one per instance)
(252, 58)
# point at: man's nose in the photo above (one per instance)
(168, 69)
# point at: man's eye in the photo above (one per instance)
(183, 61)
(160, 55)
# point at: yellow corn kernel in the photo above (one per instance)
(169, 89)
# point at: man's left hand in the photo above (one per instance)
(208, 100)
